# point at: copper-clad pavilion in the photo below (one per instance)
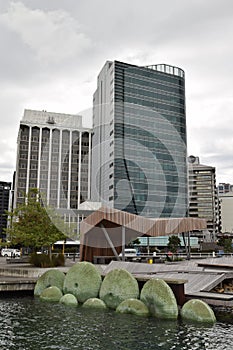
(106, 231)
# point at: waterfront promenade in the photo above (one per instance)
(189, 278)
(22, 277)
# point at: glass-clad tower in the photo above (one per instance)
(139, 141)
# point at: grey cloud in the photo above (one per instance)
(55, 68)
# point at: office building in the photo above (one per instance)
(5, 188)
(54, 156)
(226, 204)
(203, 199)
(139, 141)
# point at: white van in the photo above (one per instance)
(130, 254)
(10, 253)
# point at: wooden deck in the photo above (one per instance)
(197, 283)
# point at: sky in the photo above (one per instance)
(53, 50)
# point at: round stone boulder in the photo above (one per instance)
(94, 303)
(69, 300)
(48, 279)
(117, 286)
(159, 298)
(133, 306)
(196, 310)
(83, 280)
(53, 294)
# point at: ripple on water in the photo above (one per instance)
(29, 324)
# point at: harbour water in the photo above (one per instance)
(28, 324)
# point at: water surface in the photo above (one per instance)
(29, 324)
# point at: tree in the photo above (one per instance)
(34, 225)
(173, 243)
(226, 243)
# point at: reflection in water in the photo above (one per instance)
(29, 324)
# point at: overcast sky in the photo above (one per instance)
(53, 50)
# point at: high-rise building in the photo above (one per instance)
(203, 199)
(5, 188)
(139, 142)
(54, 156)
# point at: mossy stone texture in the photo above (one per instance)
(133, 306)
(53, 294)
(48, 279)
(83, 280)
(69, 300)
(95, 303)
(198, 311)
(159, 298)
(117, 286)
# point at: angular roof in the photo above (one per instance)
(107, 230)
(143, 226)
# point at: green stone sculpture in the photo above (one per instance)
(53, 294)
(94, 303)
(83, 280)
(159, 298)
(49, 278)
(198, 311)
(133, 306)
(118, 285)
(69, 300)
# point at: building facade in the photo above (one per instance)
(5, 188)
(226, 204)
(54, 156)
(203, 199)
(139, 140)
(224, 188)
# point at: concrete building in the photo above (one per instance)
(203, 199)
(226, 204)
(5, 188)
(54, 155)
(139, 141)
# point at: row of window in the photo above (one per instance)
(154, 95)
(157, 86)
(153, 104)
(154, 76)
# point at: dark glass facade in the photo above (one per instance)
(145, 139)
(5, 188)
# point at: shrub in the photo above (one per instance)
(58, 260)
(43, 260)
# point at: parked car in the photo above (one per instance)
(10, 253)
